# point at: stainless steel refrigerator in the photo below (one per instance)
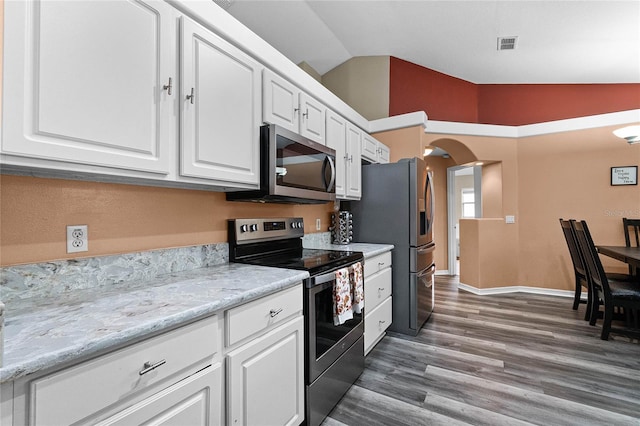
(397, 207)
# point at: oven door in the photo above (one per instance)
(326, 341)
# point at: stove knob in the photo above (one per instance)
(294, 225)
(244, 228)
(300, 225)
(253, 227)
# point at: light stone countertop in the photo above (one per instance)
(40, 334)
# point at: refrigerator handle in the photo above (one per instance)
(428, 189)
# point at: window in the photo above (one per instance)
(468, 203)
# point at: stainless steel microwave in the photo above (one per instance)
(293, 169)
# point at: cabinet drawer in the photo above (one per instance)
(376, 322)
(75, 393)
(253, 317)
(377, 263)
(377, 287)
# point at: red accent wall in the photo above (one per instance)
(518, 104)
(415, 88)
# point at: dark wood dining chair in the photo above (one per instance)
(579, 270)
(612, 294)
(631, 237)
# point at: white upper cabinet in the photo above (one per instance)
(287, 106)
(353, 166)
(220, 105)
(370, 148)
(374, 150)
(88, 82)
(383, 153)
(337, 140)
(345, 139)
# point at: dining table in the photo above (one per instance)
(628, 255)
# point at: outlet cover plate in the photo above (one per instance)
(77, 238)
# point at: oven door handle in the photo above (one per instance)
(324, 278)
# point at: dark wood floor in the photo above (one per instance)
(497, 360)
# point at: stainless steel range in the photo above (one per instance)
(334, 354)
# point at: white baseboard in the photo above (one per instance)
(516, 289)
(443, 272)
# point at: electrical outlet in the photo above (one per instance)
(318, 224)
(77, 238)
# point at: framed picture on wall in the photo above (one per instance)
(624, 175)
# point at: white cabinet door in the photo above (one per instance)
(383, 153)
(369, 148)
(337, 139)
(280, 102)
(265, 378)
(84, 82)
(220, 108)
(194, 401)
(312, 118)
(354, 172)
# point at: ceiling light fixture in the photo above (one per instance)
(630, 133)
(427, 151)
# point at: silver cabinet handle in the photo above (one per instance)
(296, 110)
(191, 96)
(149, 366)
(306, 114)
(167, 87)
(380, 263)
(380, 288)
(381, 322)
(274, 312)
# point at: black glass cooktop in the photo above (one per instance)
(313, 260)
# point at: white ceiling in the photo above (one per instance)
(564, 41)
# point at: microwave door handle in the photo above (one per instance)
(329, 160)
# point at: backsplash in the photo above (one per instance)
(50, 278)
(47, 279)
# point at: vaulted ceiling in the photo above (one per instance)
(557, 41)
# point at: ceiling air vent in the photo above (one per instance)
(507, 43)
(225, 4)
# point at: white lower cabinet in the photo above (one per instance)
(146, 380)
(194, 401)
(377, 296)
(178, 378)
(265, 378)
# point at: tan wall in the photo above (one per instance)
(403, 143)
(568, 175)
(34, 214)
(540, 179)
(492, 190)
(311, 71)
(488, 253)
(363, 83)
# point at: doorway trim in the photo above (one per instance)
(451, 208)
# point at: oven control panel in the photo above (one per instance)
(253, 230)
